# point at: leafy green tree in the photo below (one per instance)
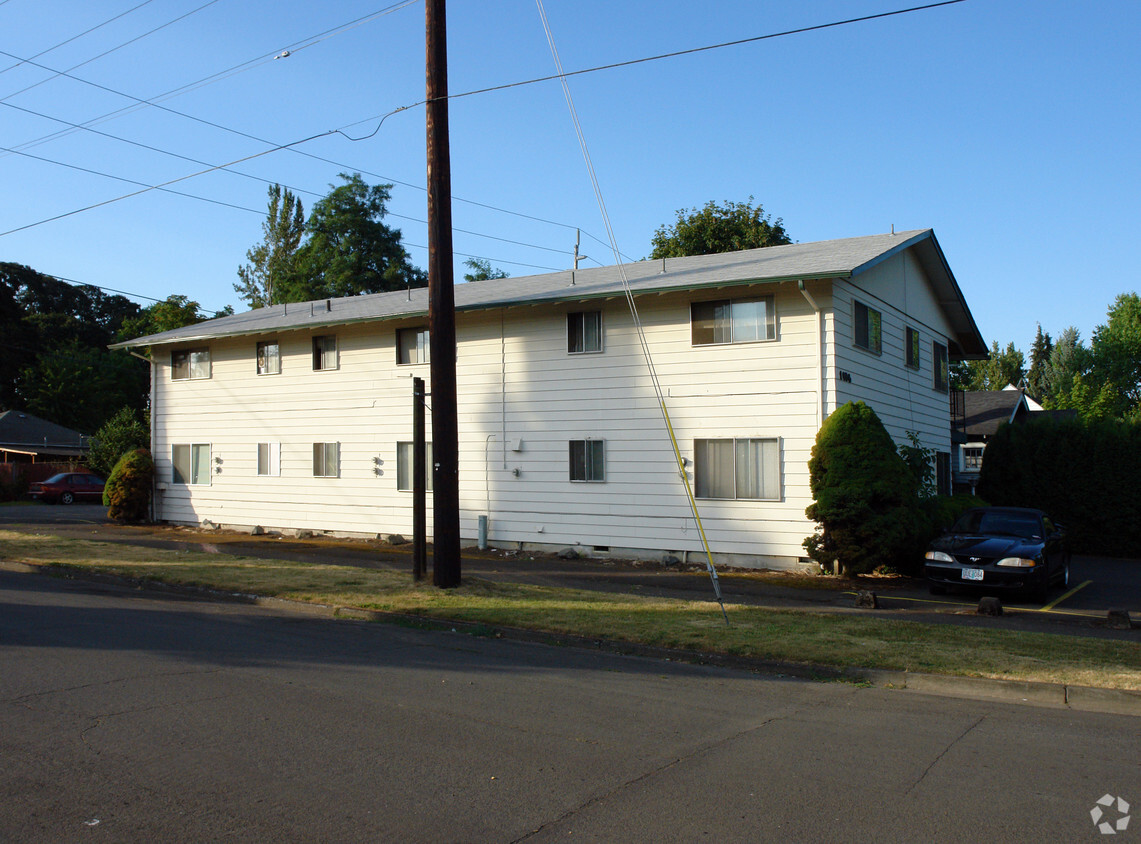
(865, 496)
(173, 312)
(127, 492)
(1036, 380)
(1002, 367)
(481, 270)
(1069, 358)
(80, 386)
(718, 228)
(41, 315)
(1115, 359)
(123, 432)
(273, 260)
(350, 250)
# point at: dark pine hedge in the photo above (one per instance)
(1085, 476)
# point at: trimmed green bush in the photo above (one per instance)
(127, 493)
(865, 496)
(1083, 474)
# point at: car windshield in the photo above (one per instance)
(57, 479)
(999, 523)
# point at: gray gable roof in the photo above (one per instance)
(21, 431)
(799, 261)
(986, 410)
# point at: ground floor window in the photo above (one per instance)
(404, 463)
(326, 460)
(269, 459)
(972, 458)
(737, 468)
(588, 460)
(190, 463)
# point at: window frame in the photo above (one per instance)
(966, 465)
(423, 342)
(273, 459)
(404, 460)
(870, 326)
(729, 325)
(190, 365)
(577, 334)
(320, 351)
(194, 467)
(322, 461)
(700, 469)
(940, 367)
(912, 349)
(592, 462)
(267, 369)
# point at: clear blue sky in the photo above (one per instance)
(1010, 128)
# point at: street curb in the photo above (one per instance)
(1052, 695)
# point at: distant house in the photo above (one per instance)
(299, 417)
(25, 438)
(983, 412)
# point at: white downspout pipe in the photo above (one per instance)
(819, 352)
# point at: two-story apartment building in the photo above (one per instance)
(299, 416)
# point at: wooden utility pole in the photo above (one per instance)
(441, 310)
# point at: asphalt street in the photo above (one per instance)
(128, 716)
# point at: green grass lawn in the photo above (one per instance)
(830, 639)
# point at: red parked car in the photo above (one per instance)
(67, 487)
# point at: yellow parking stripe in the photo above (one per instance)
(1055, 603)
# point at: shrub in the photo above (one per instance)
(1084, 475)
(865, 496)
(124, 431)
(127, 493)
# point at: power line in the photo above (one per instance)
(310, 41)
(225, 169)
(80, 35)
(241, 67)
(106, 52)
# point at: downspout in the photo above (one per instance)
(819, 351)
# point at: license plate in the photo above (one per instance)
(972, 574)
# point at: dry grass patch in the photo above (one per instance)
(832, 639)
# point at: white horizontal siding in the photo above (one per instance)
(521, 399)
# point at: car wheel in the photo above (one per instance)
(1066, 574)
(66, 498)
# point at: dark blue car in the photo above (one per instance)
(1007, 548)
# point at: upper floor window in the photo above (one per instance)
(867, 327)
(325, 352)
(942, 376)
(733, 321)
(190, 363)
(269, 358)
(912, 353)
(737, 468)
(413, 345)
(584, 332)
